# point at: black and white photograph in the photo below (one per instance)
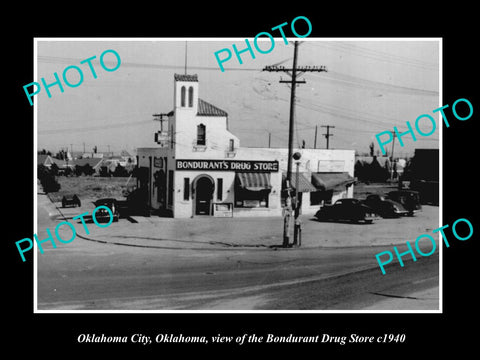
(224, 195)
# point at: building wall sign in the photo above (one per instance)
(227, 165)
(223, 210)
(158, 162)
(331, 166)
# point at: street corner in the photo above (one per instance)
(189, 234)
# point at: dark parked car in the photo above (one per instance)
(102, 214)
(410, 200)
(136, 202)
(428, 191)
(347, 209)
(70, 200)
(386, 208)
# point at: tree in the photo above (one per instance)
(61, 155)
(47, 179)
(359, 170)
(104, 171)
(88, 169)
(78, 170)
(42, 171)
(120, 171)
(372, 149)
(54, 169)
(376, 172)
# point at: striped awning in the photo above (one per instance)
(303, 184)
(254, 181)
(331, 181)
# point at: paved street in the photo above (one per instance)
(232, 264)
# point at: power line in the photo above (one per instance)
(65, 60)
(358, 82)
(93, 128)
(377, 55)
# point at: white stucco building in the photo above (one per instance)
(196, 166)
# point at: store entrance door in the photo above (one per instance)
(203, 196)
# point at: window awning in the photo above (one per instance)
(253, 181)
(303, 184)
(331, 181)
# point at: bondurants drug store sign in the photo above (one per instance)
(227, 165)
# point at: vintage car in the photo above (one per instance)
(70, 200)
(384, 207)
(348, 209)
(410, 200)
(136, 203)
(102, 214)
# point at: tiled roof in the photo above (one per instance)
(185, 77)
(207, 109)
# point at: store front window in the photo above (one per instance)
(251, 199)
(252, 190)
(321, 197)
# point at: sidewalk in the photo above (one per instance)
(228, 233)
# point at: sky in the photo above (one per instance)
(371, 85)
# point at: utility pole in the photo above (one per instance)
(293, 72)
(162, 137)
(327, 135)
(391, 157)
(185, 58)
(269, 139)
(160, 117)
(315, 141)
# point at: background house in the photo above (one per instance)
(46, 160)
(372, 168)
(94, 163)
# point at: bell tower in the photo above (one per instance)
(186, 93)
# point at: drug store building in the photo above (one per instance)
(198, 168)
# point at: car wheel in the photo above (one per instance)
(368, 221)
